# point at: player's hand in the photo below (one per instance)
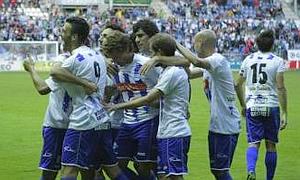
(110, 107)
(28, 64)
(148, 65)
(283, 121)
(111, 67)
(90, 88)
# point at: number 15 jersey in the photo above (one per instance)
(260, 70)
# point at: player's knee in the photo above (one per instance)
(270, 146)
(49, 175)
(69, 171)
(219, 173)
(123, 164)
(178, 177)
(144, 169)
(112, 171)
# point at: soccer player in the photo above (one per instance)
(136, 139)
(88, 138)
(219, 88)
(263, 73)
(172, 89)
(56, 117)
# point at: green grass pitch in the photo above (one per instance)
(22, 112)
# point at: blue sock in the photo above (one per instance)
(252, 154)
(270, 162)
(68, 178)
(122, 177)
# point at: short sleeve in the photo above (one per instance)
(164, 83)
(69, 63)
(52, 84)
(282, 66)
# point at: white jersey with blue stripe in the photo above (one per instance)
(219, 89)
(132, 85)
(260, 70)
(173, 120)
(88, 111)
(59, 106)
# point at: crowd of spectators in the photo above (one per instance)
(236, 22)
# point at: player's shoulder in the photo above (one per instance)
(140, 59)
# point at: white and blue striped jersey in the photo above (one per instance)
(59, 106)
(260, 70)
(173, 120)
(132, 85)
(88, 111)
(219, 89)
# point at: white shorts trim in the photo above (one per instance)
(109, 165)
(254, 142)
(45, 169)
(76, 165)
(216, 169)
(170, 174)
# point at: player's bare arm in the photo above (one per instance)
(282, 96)
(61, 74)
(196, 61)
(195, 72)
(240, 93)
(152, 96)
(165, 60)
(39, 83)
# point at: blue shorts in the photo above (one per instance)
(78, 148)
(221, 149)
(51, 153)
(103, 153)
(263, 127)
(138, 141)
(173, 155)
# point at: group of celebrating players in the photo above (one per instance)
(129, 102)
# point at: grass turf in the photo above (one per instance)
(22, 111)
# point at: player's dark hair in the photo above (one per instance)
(265, 41)
(114, 27)
(79, 27)
(164, 43)
(147, 26)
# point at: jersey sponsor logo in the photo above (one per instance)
(174, 159)
(131, 87)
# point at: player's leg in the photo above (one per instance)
(173, 158)
(146, 156)
(108, 158)
(272, 124)
(255, 133)
(51, 152)
(221, 151)
(77, 154)
(125, 149)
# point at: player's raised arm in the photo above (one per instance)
(39, 83)
(282, 96)
(198, 62)
(164, 60)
